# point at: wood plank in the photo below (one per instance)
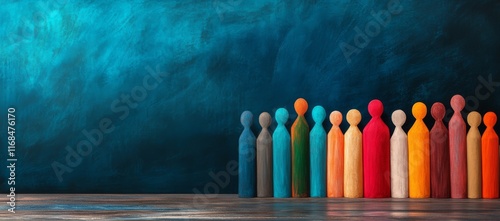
(230, 207)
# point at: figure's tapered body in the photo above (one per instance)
(265, 158)
(353, 157)
(318, 153)
(300, 151)
(490, 160)
(335, 158)
(376, 154)
(399, 157)
(440, 154)
(246, 158)
(458, 149)
(474, 173)
(418, 155)
(282, 181)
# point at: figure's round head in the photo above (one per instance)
(398, 118)
(457, 102)
(353, 117)
(265, 120)
(336, 118)
(419, 110)
(318, 114)
(375, 108)
(490, 119)
(300, 106)
(474, 119)
(246, 118)
(438, 111)
(281, 116)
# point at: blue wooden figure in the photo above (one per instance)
(318, 153)
(281, 156)
(246, 152)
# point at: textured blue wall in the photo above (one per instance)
(67, 66)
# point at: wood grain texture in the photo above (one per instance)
(265, 158)
(489, 143)
(246, 158)
(282, 181)
(399, 157)
(353, 157)
(440, 154)
(230, 207)
(300, 151)
(418, 155)
(318, 153)
(458, 149)
(335, 158)
(376, 154)
(474, 177)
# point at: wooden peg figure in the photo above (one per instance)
(458, 150)
(300, 151)
(399, 157)
(474, 185)
(281, 156)
(264, 158)
(353, 157)
(246, 158)
(376, 154)
(440, 154)
(318, 153)
(335, 158)
(418, 155)
(489, 143)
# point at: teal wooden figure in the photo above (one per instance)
(318, 153)
(246, 158)
(281, 156)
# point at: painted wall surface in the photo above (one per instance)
(156, 88)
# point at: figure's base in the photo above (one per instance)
(230, 207)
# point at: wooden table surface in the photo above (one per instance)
(230, 207)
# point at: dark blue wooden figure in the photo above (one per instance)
(246, 152)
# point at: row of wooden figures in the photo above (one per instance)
(440, 163)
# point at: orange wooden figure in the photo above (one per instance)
(335, 157)
(418, 155)
(489, 143)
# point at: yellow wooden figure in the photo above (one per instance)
(474, 156)
(353, 157)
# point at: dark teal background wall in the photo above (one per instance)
(171, 78)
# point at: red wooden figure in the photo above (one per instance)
(458, 149)
(376, 156)
(440, 154)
